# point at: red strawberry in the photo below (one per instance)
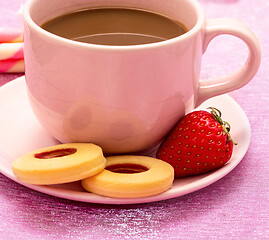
(199, 143)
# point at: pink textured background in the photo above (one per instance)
(235, 207)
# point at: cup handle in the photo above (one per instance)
(239, 78)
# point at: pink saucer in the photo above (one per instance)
(21, 133)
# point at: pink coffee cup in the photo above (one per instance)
(124, 98)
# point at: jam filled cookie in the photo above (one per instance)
(59, 164)
(131, 177)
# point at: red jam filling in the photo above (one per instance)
(127, 168)
(56, 153)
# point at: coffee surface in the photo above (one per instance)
(115, 26)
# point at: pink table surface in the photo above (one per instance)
(235, 207)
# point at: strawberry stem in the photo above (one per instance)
(225, 125)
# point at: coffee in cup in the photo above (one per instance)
(115, 26)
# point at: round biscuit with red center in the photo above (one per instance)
(59, 164)
(130, 176)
